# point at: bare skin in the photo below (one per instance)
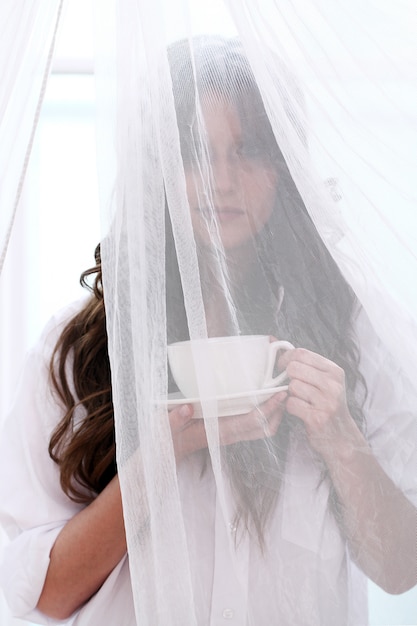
(93, 542)
(85, 552)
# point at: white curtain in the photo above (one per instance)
(28, 37)
(337, 81)
(28, 32)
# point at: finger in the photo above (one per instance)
(265, 409)
(269, 414)
(253, 425)
(272, 424)
(300, 408)
(301, 372)
(180, 415)
(306, 392)
(307, 357)
(258, 414)
(316, 421)
(188, 439)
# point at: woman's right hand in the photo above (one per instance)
(189, 434)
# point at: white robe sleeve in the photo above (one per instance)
(33, 507)
(390, 411)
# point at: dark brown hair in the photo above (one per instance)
(84, 451)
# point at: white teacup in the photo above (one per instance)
(223, 366)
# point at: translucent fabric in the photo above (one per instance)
(259, 181)
(28, 31)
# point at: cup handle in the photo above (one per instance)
(274, 347)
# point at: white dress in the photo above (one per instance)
(305, 577)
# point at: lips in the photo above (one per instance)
(224, 214)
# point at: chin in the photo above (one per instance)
(231, 242)
(231, 237)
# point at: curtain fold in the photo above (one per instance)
(336, 84)
(355, 65)
(28, 37)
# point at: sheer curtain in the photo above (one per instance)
(28, 31)
(28, 37)
(337, 81)
(57, 203)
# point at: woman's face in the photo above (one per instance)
(237, 197)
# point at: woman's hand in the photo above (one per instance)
(370, 503)
(189, 434)
(317, 396)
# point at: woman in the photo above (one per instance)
(305, 492)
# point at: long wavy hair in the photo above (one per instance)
(80, 374)
(316, 313)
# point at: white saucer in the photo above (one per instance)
(235, 404)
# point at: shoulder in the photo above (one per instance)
(34, 400)
(56, 324)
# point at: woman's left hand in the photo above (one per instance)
(317, 396)
(371, 504)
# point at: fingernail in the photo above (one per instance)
(185, 410)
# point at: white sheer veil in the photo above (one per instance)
(333, 83)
